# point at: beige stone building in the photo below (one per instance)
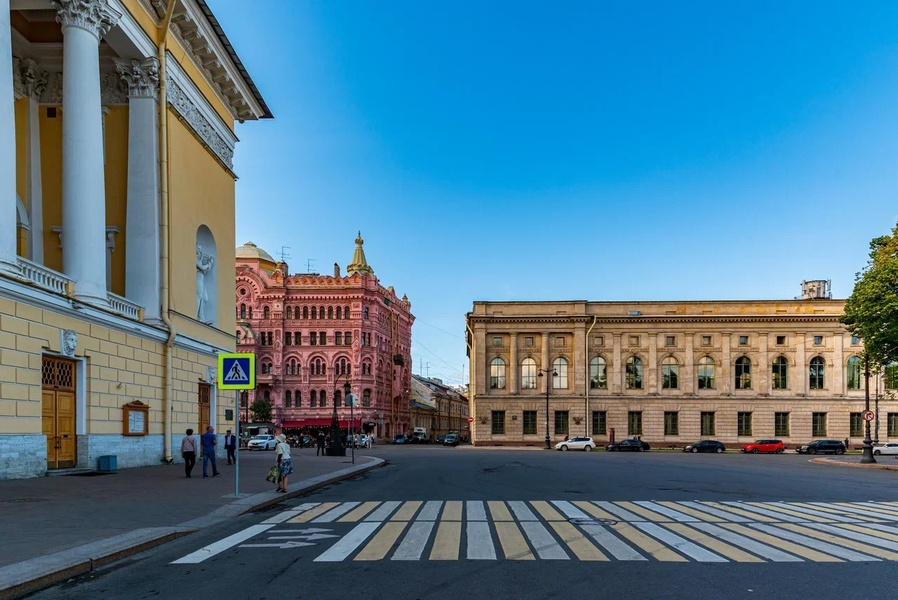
(670, 372)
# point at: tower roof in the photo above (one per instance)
(249, 251)
(359, 265)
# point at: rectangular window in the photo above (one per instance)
(781, 424)
(706, 340)
(529, 422)
(743, 423)
(347, 338)
(561, 422)
(634, 422)
(528, 341)
(559, 342)
(892, 425)
(338, 338)
(818, 340)
(313, 338)
(855, 340)
(780, 340)
(297, 338)
(599, 422)
(599, 340)
(670, 340)
(498, 420)
(818, 424)
(288, 338)
(634, 340)
(671, 423)
(708, 423)
(743, 340)
(497, 341)
(891, 377)
(855, 424)
(322, 338)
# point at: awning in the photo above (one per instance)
(344, 423)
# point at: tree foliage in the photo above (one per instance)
(871, 312)
(261, 411)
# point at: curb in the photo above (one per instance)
(838, 463)
(29, 576)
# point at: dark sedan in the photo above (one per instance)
(629, 445)
(705, 446)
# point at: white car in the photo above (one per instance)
(262, 442)
(576, 443)
(889, 448)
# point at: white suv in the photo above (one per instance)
(889, 448)
(262, 442)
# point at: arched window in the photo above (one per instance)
(318, 369)
(305, 312)
(497, 374)
(339, 312)
(816, 379)
(294, 368)
(670, 373)
(289, 312)
(313, 399)
(345, 312)
(598, 374)
(528, 374)
(243, 311)
(338, 398)
(742, 375)
(288, 399)
(365, 313)
(322, 398)
(314, 313)
(366, 397)
(634, 373)
(266, 313)
(321, 312)
(297, 398)
(854, 373)
(560, 367)
(330, 312)
(780, 371)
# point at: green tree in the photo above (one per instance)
(871, 312)
(261, 411)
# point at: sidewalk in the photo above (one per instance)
(55, 528)
(887, 463)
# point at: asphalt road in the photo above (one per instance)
(459, 522)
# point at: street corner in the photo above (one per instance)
(853, 462)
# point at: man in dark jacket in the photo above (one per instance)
(321, 441)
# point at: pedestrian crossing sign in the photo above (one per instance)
(236, 371)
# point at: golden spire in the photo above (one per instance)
(359, 265)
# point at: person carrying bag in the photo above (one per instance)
(284, 462)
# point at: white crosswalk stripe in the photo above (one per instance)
(563, 530)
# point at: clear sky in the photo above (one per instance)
(595, 150)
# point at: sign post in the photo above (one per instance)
(237, 371)
(869, 415)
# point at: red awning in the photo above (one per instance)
(344, 423)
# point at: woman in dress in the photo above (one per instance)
(284, 462)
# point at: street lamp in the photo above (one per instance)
(554, 374)
(867, 458)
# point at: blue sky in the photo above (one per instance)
(569, 150)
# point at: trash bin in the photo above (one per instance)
(108, 464)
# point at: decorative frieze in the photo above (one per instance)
(112, 90)
(33, 78)
(194, 119)
(140, 76)
(94, 16)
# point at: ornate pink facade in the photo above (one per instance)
(312, 333)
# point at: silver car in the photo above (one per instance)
(889, 448)
(576, 443)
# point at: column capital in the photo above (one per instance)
(34, 78)
(141, 76)
(94, 16)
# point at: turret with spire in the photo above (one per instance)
(359, 266)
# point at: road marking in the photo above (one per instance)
(385, 510)
(289, 514)
(678, 543)
(514, 546)
(499, 511)
(452, 511)
(281, 545)
(676, 515)
(732, 553)
(774, 516)
(648, 544)
(829, 513)
(480, 542)
(407, 511)
(338, 511)
(644, 512)
(868, 510)
(348, 543)
(546, 511)
(777, 541)
(768, 552)
(611, 543)
(569, 510)
(881, 531)
(543, 542)
(378, 548)
(359, 513)
(522, 511)
(713, 508)
(313, 513)
(832, 549)
(475, 510)
(858, 541)
(798, 514)
(595, 511)
(622, 514)
(582, 548)
(688, 509)
(431, 511)
(445, 545)
(861, 536)
(221, 545)
(414, 541)
(748, 517)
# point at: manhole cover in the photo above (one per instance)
(577, 521)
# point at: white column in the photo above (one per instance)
(8, 232)
(34, 80)
(142, 275)
(83, 22)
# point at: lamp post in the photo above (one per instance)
(867, 458)
(347, 397)
(548, 385)
(337, 448)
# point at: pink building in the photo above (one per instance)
(312, 333)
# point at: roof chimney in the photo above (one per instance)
(336, 270)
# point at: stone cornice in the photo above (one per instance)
(771, 319)
(200, 125)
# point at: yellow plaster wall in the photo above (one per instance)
(116, 126)
(201, 193)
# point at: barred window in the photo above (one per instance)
(529, 422)
(561, 422)
(781, 424)
(743, 423)
(498, 422)
(599, 422)
(671, 423)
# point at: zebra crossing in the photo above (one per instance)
(559, 530)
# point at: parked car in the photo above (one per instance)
(399, 439)
(451, 440)
(890, 448)
(440, 438)
(705, 446)
(576, 443)
(628, 445)
(823, 447)
(769, 446)
(262, 442)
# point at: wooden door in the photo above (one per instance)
(205, 400)
(58, 412)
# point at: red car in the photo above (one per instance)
(771, 446)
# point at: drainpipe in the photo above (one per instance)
(586, 355)
(165, 218)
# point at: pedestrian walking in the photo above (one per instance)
(188, 452)
(284, 462)
(231, 446)
(208, 441)
(321, 440)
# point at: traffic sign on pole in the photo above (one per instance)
(869, 415)
(236, 371)
(470, 419)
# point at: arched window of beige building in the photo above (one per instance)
(854, 373)
(816, 379)
(706, 373)
(560, 366)
(634, 373)
(742, 379)
(598, 373)
(528, 374)
(670, 373)
(780, 371)
(497, 374)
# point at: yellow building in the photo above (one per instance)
(116, 228)
(671, 372)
